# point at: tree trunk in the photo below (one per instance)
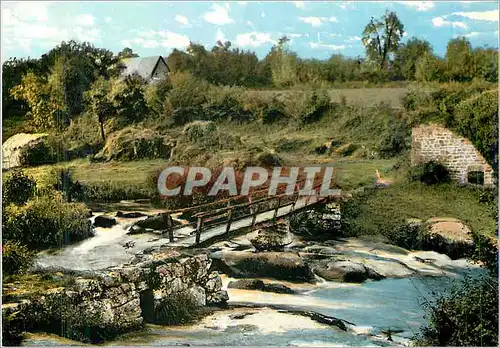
(102, 131)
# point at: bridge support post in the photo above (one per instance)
(254, 218)
(199, 226)
(229, 220)
(292, 207)
(170, 225)
(277, 207)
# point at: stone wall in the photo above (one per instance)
(457, 154)
(113, 300)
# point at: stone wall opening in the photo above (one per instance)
(475, 177)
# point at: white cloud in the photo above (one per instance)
(220, 36)
(254, 39)
(442, 22)
(353, 39)
(317, 21)
(419, 5)
(480, 33)
(491, 16)
(300, 4)
(182, 19)
(262, 14)
(154, 39)
(249, 23)
(315, 45)
(242, 3)
(85, 19)
(219, 15)
(108, 19)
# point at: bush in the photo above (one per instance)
(468, 316)
(308, 107)
(46, 221)
(18, 188)
(41, 152)
(224, 104)
(71, 190)
(16, 258)
(477, 119)
(110, 191)
(429, 173)
(134, 143)
(176, 309)
(264, 109)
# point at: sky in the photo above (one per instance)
(317, 29)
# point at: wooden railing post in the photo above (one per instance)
(199, 226)
(254, 217)
(229, 220)
(292, 207)
(277, 207)
(170, 224)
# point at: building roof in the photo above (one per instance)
(143, 66)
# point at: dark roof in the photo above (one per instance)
(143, 66)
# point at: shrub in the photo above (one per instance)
(71, 190)
(199, 129)
(468, 316)
(42, 152)
(429, 173)
(134, 143)
(308, 107)
(176, 309)
(46, 221)
(188, 90)
(16, 258)
(477, 119)
(264, 109)
(18, 188)
(224, 104)
(111, 191)
(83, 136)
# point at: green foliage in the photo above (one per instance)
(127, 98)
(283, 64)
(46, 221)
(223, 104)
(176, 309)
(16, 258)
(429, 173)
(477, 119)
(429, 67)
(46, 151)
(381, 37)
(407, 56)
(18, 188)
(459, 60)
(468, 316)
(99, 105)
(110, 191)
(133, 143)
(308, 107)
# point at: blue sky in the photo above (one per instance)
(317, 29)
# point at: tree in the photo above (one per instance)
(283, 63)
(381, 37)
(44, 103)
(486, 63)
(127, 52)
(430, 68)
(97, 98)
(406, 57)
(459, 60)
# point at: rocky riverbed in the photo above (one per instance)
(350, 291)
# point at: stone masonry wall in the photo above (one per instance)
(457, 154)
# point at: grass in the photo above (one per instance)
(420, 201)
(18, 287)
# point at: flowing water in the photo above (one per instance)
(374, 307)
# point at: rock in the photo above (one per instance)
(154, 222)
(131, 215)
(346, 271)
(256, 284)
(449, 236)
(197, 293)
(221, 297)
(13, 147)
(321, 222)
(282, 266)
(104, 221)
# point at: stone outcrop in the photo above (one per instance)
(457, 154)
(277, 265)
(324, 221)
(104, 221)
(13, 147)
(120, 299)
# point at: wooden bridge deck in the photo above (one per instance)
(186, 236)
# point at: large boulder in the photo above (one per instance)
(344, 270)
(257, 284)
(449, 236)
(322, 222)
(151, 223)
(272, 238)
(104, 221)
(277, 265)
(13, 147)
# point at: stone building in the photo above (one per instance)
(456, 153)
